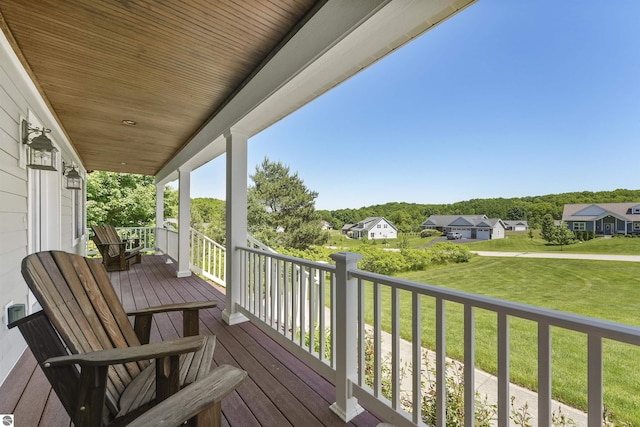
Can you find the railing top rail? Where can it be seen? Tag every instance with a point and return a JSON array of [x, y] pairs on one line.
[[206, 238], [167, 230], [303, 262], [592, 326], [258, 244]]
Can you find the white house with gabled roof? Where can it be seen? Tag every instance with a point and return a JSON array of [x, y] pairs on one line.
[[375, 227]]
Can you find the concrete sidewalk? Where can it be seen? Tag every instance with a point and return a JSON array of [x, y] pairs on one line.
[[600, 257], [486, 384]]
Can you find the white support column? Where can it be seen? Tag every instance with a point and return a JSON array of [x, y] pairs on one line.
[[236, 211], [346, 406], [184, 222], [159, 213]]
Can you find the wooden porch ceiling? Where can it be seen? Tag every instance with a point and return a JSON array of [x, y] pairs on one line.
[[169, 66]]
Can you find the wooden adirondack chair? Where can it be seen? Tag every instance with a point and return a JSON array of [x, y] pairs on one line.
[[115, 255], [98, 364]]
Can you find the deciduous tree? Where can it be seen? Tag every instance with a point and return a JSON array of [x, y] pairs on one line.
[[563, 236], [123, 200]]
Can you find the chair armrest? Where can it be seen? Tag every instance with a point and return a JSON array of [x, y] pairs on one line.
[[193, 399], [190, 317], [197, 305], [114, 356]]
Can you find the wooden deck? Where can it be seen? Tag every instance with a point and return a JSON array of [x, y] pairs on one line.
[[280, 390]]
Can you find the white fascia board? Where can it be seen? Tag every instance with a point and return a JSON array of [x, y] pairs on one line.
[[341, 39], [329, 25]]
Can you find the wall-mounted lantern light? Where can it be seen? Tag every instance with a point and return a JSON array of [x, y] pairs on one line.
[[41, 154], [74, 180]]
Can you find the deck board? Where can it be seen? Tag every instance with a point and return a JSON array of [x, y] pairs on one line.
[[280, 390]]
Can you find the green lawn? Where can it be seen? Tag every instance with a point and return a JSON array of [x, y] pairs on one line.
[[336, 239], [520, 242], [603, 289]]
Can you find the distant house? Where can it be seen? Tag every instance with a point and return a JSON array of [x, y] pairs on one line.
[[518, 225], [375, 227], [603, 218], [324, 225], [470, 226]]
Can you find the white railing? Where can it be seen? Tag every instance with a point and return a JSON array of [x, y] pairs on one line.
[[207, 257], [252, 242], [291, 299], [146, 236], [167, 242], [294, 298]]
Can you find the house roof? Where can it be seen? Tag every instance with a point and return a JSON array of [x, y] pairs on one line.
[[595, 211], [187, 72], [446, 220], [367, 224], [468, 221]]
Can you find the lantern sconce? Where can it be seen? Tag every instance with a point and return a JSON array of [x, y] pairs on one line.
[[41, 153], [74, 180]]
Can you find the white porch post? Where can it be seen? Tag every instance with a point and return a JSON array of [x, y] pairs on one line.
[[184, 222], [159, 213], [236, 211], [346, 406]]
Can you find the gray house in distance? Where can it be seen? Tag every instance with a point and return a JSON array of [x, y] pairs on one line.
[[374, 227], [469, 226], [603, 218]]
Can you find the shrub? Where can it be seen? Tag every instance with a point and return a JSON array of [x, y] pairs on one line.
[[416, 260], [429, 233], [443, 252], [485, 413], [382, 262]]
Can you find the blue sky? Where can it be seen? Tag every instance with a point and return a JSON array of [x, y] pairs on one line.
[[509, 98]]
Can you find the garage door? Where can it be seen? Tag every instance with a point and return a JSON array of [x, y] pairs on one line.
[[483, 234], [465, 232]]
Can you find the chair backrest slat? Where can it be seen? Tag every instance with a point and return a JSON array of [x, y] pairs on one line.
[[78, 298], [111, 232], [104, 235]]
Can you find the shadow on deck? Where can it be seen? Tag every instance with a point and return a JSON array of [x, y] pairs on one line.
[[281, 390]]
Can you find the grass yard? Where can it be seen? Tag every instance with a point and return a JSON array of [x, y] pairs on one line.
[[520, 242], [603, 289], [336, 239]]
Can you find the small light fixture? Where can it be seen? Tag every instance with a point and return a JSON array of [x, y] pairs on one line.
[[128, 122], [74, 180], [41, 154]]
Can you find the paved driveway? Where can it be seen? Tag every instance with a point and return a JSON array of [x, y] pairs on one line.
[[601, 257]]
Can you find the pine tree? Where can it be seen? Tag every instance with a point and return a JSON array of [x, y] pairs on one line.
[[548, 228], [282, 209]]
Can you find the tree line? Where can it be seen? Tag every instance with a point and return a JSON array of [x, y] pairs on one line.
[[407, 217], [281, 209]]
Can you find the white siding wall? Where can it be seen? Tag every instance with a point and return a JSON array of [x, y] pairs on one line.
[[19, 99], [386, 231], [13, 217], [498, 232]]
